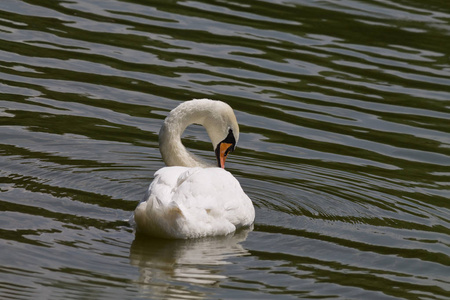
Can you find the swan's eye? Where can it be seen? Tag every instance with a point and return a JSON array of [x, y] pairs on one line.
[[230, 138]]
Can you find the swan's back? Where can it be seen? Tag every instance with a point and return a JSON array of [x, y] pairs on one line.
[[186, 202]]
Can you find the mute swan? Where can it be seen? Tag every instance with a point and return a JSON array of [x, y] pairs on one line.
[[191, 198]]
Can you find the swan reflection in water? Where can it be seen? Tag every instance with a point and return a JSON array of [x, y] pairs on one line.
[[170, 268]]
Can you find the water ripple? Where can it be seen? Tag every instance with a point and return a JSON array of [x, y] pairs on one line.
[[344, 146]]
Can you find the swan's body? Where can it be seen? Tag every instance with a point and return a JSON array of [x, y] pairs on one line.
[[191, 198]]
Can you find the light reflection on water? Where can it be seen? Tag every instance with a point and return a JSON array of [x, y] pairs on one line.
[[170, 264], [344, 146]]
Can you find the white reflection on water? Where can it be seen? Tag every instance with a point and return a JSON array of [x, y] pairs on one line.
[[170, 268]]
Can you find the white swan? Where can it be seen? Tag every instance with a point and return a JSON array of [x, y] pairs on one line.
[[190, 198]]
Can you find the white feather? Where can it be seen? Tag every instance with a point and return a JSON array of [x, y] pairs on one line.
[[193, 202]]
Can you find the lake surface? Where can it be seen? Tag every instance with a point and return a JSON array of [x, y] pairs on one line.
[[344, 110]]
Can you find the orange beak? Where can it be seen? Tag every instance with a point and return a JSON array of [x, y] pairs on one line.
[[223, 152]]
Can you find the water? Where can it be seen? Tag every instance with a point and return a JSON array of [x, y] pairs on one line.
[[344, 149]]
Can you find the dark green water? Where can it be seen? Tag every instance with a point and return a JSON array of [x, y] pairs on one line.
[[344, 110]]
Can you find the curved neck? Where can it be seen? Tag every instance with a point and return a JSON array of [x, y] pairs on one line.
[[172, 150], [174, 153]]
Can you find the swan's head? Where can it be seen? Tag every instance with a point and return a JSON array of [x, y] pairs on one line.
[[223, 130]]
